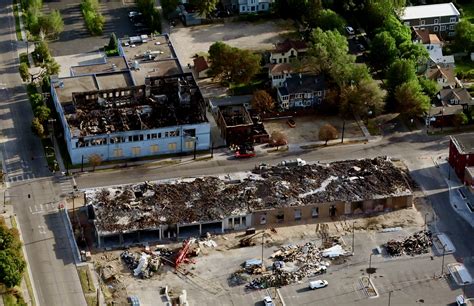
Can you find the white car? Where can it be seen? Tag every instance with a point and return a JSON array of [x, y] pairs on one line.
[[293, 162], [350, 30], [320, 283], [134, 14], [267, 301], [463, 301]]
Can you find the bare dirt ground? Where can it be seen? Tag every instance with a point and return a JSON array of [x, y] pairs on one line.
[[203, 278], [307, 128], [245, 35]]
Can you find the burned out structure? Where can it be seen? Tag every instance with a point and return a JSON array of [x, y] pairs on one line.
[[140, 103], [268, 196]]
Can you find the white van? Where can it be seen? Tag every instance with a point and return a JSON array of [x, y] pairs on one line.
[[317, 284]]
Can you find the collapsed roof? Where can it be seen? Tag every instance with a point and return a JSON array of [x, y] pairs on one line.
[[148, 205]]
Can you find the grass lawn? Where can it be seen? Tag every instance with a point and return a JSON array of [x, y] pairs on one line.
[[258, 82], [17, 20], [13, 299], [86, 279], [463, 65]]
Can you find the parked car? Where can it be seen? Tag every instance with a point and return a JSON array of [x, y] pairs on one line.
[[267, 301], [293, 162], [243, 153], [350, 30], [133, 14], [317, 284]]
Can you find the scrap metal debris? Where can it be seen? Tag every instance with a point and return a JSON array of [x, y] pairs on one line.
[[150, 205], [416, 244], [143, 265]]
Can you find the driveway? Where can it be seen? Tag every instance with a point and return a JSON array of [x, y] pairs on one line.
[[254, 36], [75, 38]]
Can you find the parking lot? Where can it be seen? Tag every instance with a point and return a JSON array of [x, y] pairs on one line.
[[307, 128], [75, 38], [254, 36], [410, 280]]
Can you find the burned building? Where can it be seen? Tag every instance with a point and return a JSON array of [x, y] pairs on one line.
[[235, 123], [271, 196], [137, 104]]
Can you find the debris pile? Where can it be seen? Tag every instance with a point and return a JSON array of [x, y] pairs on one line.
[[416, 244], [143, 265], [150, 205], [292, 263]]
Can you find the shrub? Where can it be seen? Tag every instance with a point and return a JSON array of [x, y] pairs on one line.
[[37, 127], [92, 16], [24, 73]]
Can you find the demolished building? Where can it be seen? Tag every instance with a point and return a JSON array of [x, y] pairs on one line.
[[272, 196], [137, 104]]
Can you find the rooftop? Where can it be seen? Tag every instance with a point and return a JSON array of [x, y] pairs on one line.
[[464, 143], [300, 83], [111, 64], [441, 72], [279, 69], [460, 94], [235, 115], [174, 101], [159, 68], [288, 44], [200, 64], [148, 205], [428, 11]]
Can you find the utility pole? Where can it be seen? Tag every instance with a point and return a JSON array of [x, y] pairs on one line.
[[389, 297], [343, 129], [195, 149], [370, 264], [442, 262], [426, 224], [263, 236], [353, 236]]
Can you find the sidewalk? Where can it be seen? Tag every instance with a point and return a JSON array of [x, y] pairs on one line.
[[459, 195], [7, 214]]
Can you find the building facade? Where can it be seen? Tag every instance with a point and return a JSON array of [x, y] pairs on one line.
[[301, 91], [440, 19], [287, 50], [461, 154], [254, 6]]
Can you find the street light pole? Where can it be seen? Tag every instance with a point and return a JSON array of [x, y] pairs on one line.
[[426, 224], [370, 264], [263, 236], [195, 139], [343, 129], [389, 297]]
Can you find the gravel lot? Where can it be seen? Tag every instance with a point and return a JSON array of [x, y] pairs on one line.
[[255, 36]]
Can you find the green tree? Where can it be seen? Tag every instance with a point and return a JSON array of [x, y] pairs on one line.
[[51, 67], [51, 25], [415, 52], [401, 71], [113, 43], [411, 101], [37, 127], [361, 99], [36, 100], [95, 160], [205, 7], [383, 50], [41, 53], [169, 6], [330, 20], [429, 87], [9, 238], [262, 101], [460, 119], [12, 266], [24, 72], [243, 66], [400, 32], [92, 16], [464, 37], [150, 14], [42, 112]]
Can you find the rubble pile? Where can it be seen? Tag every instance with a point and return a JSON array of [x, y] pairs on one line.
[[143, 265], [149, 205], [416, 244]]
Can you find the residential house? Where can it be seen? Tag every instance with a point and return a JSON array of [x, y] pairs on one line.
[[455, 96], [278, 73], [461, 153], [254, 6], [439, 19], [444, 76], [201, 67], [301, 91], [434, 46], [287, 50]]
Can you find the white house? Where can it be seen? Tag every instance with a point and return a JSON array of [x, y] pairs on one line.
[[434, 46], [278, 73], [254, 6], [285, 51]]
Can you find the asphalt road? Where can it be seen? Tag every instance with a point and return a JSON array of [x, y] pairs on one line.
[[30, 185]]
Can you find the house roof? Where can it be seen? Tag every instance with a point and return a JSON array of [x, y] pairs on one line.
[[200, 64], [279, 69], [441, 72], [422, 35], [434, 39], [286, 45], [464, 143], [428, 11], [448, 110], [460, 94], [299, 83]]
